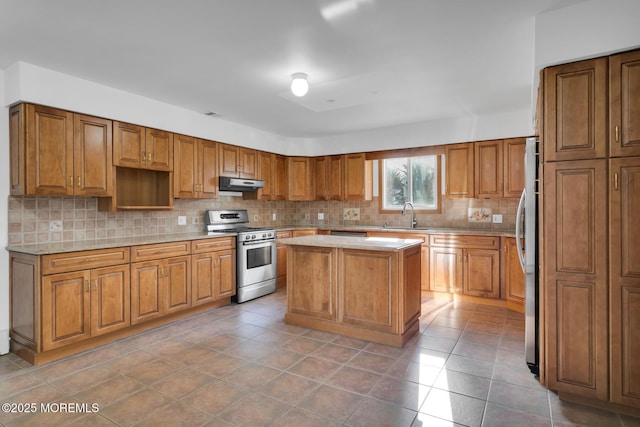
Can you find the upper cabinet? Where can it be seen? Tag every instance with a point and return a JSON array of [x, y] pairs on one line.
[[488, 158], [195, 163], [358, 178], [459, 170], [624, 95], [272, 169], [329, 173], [300, 178], [142, 148], [513, 166], [575, 111], [55, 152], [238, 162]]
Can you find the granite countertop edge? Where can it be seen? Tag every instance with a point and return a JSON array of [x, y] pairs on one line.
[[347, 242]]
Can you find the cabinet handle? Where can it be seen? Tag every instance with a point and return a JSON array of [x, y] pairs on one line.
[[88, 285], [70, 181], [144, 156], [615, 181], [151, 156], [617, 134], [79, 182], [95, 285], [161, 272]]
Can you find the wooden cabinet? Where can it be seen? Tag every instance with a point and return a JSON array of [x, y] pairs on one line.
[[513, 169], [281, 266], [424, 251], [279, 176], [300, 178], [55, 152], [304, 232], [317, 298], [513, 276], [488, 172], [624, 108], [329, 178], [272, 169], [238, 162], [459, 170], [575, 110], [624, 292], [575, 276], [465, 264], [144, 148], [160, 280], [214, 273], [358, 177], [195, 168]]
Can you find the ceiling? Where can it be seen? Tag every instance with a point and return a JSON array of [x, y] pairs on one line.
[[371, 63]]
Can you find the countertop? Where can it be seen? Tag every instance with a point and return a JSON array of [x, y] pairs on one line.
[[348, 242], [395, 229]]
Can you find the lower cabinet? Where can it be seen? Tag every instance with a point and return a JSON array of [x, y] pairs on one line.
[[213, 264], [513, 276], [281, 266]]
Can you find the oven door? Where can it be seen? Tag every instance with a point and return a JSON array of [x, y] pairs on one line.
[[256, 262]]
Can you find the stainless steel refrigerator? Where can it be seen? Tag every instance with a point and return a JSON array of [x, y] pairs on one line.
[[527, 236]]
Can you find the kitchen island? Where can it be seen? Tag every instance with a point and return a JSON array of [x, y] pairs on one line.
[[366, 288]]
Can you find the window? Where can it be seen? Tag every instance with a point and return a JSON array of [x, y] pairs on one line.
[[411, 179]]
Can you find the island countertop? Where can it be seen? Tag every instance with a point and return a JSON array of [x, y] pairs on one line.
[[349, 242]]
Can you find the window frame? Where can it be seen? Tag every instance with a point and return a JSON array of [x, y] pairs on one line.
[[381, 178]]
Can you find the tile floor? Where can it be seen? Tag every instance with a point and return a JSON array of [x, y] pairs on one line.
[[241, 365]]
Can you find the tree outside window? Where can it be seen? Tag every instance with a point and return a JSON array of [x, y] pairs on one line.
[[411, 179]]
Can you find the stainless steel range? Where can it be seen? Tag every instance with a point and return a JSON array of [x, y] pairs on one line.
[[255, 252]]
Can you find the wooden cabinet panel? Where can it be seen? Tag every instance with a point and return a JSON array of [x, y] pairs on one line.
[[128, 145], [514, 276], [92, 165], [211, 245], [624, 281], [177, 284], [24, 277], [159, 150], [513, 159], [280, 178], [575, 228], [575, 110], [185, 179], [281, 266], [459, 170], [624, 93], [110, 299], [481, 273], [228, 160], [465, 241], [160, 250], [65, 309], [208, 169], [445, 269], [17, 150], [488, 157], [357, 177], [214, 276], [318, 299], [74, 261], [300, 178], [304, 232], [147, 296], [335, 177], [321, 165], [225, 283], [248, 163], [203, 278], [266, 165], [376, 272]]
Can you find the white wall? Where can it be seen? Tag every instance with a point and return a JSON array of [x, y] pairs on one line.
[[4, 220]]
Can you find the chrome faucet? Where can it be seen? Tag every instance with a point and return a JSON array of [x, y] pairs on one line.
[[414, 222]]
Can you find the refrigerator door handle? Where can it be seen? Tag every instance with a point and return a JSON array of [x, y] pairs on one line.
[[519, 215]]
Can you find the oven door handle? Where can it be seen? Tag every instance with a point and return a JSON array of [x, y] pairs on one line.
[[263, 243]]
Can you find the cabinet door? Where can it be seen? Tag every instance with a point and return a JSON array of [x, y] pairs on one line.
[[266, 165], [513, 159], [228, 160], [208, 169], [147, 296], [575, 110], [445, 269], [357, 177], [300, 178], [321, 166], [177, 284], [17, 149], [488, 169], [514, 276], [312, 273], [624, 87], [335, 173], [202, 283], [482, 273], [575, 253], [225, 274], [110, 299], [459, 170], [49, 151], [280, 178], [281, 266], [248, 167], [65, 309], [128, 145], [159, 150], [92, 165], [624, 290], [185, 178]]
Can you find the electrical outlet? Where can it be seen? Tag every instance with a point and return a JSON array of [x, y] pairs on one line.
[[320, 216], [255, 217], [274, 216], [497, 219], [55, 225], [195, 220], [307, 216], [182, 220]]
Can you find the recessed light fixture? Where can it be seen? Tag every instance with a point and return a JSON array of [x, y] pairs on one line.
[[299, 84]]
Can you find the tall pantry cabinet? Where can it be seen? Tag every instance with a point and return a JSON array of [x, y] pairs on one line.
[[591, 230]]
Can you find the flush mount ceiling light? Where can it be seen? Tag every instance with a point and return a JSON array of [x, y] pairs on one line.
[[299, 84]]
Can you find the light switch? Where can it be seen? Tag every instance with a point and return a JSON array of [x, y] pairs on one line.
[[274, 216], [497, 219], [182, 220], [320, 216]]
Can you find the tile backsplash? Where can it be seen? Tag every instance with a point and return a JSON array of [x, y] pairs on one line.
[[30, 218]]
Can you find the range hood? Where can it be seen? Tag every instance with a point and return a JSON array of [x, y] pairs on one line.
[[228, 183]]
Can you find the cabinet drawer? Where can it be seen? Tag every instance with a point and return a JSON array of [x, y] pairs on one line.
[[212, 245], [74, 261], [463, 241], [283, 234], [160, 250]]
